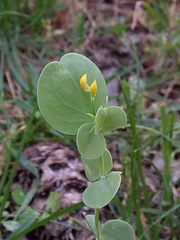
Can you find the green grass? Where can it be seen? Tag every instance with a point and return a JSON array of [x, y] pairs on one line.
[[143, 135]]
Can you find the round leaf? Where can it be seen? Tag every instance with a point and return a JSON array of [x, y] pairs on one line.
[[92, 166], [90, 145], [100, 193], [62, 101], [117, 230], [116, 118]]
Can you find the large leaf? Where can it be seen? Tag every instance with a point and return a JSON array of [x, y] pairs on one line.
[[116, 118], [117, 230], [92, 166], [62, 102], [90, 145], [101, 192]]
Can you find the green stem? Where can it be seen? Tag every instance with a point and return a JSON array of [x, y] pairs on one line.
[[166, 145], [92, 104], [97, 224], [101, 163], [167, 129]]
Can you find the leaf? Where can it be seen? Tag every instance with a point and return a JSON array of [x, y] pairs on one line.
[[107, 160], [24, 230], [53, 202], [100, 193], [61, 100], [90, 222], [18, 196], [117, 230], [119, 29], [92, 166], [10, 225], [29, 211], [116, 118], [90, 145], [100, 117], [28, 221]]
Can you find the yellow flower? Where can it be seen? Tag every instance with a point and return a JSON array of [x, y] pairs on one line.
[[93, 89], [83, 83]]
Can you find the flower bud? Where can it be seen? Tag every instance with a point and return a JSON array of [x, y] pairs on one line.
[[93, 89], [83, 83]]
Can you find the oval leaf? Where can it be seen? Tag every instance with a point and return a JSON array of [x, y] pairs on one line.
[[62, 101], [90, 145], [117, 230], [100, 193], [116, 118], [92, 166]]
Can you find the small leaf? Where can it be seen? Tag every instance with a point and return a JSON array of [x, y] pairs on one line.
[[18, 196], [107, 158], [92, 166], [24, 225], [116, 118], [90, 145], [29, 211], [90, 222], [101, 192], [53, 202], [99, 119], [10, 225], [117, 230]]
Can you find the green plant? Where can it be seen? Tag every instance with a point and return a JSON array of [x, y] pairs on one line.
[[72, 97]]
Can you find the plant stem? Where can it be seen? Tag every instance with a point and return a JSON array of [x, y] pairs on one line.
[[166, 145], [97, 224], [92, 104], [101, 163]]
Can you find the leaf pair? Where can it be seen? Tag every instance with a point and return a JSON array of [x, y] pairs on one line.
[[90, 142], [109, 118]]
